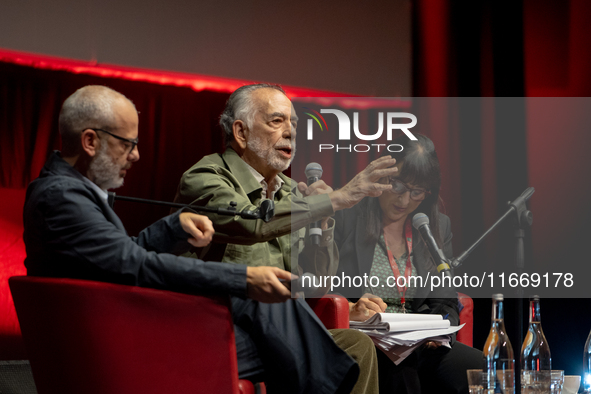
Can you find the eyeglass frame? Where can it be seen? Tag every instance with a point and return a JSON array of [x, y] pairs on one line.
[[133, 142], [408, 189]]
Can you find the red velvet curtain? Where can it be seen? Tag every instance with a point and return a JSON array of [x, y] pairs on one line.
[[474, 49]]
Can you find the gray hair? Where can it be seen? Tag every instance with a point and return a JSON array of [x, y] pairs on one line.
[[241, 106], [90, 107]]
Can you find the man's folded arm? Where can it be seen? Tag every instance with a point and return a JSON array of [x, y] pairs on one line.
[[79, 231], [164, 236]]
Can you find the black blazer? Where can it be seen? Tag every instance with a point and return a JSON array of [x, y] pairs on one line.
[[70, 231], [356, 253]]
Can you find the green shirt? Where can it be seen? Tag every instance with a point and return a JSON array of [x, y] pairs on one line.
[[218, 179]]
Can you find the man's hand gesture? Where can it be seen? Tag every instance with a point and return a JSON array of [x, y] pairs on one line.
[[199, 228], [366, 183]]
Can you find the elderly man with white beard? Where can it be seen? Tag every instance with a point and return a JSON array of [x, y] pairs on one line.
[[259, 126]]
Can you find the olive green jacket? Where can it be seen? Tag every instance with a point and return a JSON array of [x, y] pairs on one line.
[[218, 179]]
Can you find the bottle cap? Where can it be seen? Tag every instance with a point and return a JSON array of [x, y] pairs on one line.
[[497, 297]]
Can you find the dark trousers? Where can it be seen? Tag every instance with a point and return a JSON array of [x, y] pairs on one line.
[[427, 371], [286, 346]]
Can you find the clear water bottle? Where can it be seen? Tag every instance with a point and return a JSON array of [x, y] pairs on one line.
[[587, 366], [536, 361], [499, 362]]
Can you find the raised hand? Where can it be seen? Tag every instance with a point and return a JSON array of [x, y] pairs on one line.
[[365, 184]]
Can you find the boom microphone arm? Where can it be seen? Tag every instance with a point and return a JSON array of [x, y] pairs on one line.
[[265, 212], [524, 218]]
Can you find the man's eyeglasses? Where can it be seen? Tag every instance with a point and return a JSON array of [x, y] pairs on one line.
[[400, 187], [132, 142]]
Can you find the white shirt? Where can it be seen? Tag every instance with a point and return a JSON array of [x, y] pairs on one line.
[[278, 182]]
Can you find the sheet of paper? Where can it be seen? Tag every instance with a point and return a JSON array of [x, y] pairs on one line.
[[404, 324]]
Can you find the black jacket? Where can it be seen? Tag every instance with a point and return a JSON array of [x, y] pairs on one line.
[[70, 231], [356, 252]]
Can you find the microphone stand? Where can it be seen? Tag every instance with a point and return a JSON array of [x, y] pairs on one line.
[[265, 212], [524, 218]]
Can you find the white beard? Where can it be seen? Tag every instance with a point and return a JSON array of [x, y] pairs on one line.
[[271, 157], [104, 170]]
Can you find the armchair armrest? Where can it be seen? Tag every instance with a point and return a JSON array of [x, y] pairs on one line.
[[332, 309], [465, 335]]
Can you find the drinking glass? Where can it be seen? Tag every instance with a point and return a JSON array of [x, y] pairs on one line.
[[500, 381], [535, 382], [475, 381], [506, 381], [557, 381]]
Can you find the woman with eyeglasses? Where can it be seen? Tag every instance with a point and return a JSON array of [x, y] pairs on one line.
[[376, 239]]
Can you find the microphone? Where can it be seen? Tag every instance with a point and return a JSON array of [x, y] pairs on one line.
[[421, 222], [314, 173]]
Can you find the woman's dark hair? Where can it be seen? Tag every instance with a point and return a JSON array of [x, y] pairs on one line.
[[420, 167]]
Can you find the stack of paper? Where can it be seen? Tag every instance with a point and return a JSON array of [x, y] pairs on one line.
[[399, 334], [401, 322]]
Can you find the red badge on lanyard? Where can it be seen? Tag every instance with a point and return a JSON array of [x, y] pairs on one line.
[[408, 269]]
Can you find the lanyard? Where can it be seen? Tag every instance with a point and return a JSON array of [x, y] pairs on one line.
[[394, 265]]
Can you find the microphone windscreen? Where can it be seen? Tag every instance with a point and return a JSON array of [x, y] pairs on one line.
[[419, 220], [313, 170]]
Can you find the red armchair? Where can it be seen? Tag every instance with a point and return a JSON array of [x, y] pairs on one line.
[[93, 337]]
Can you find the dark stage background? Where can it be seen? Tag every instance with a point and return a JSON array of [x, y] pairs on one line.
[[517, 49], [460, 49]]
